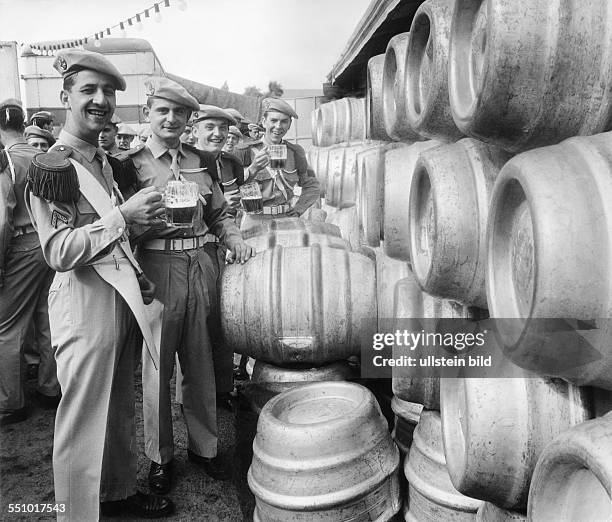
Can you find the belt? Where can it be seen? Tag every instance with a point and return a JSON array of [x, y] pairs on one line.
[[278, 209], [180, 244], [22, 231]]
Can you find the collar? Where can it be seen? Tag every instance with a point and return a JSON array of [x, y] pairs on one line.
[[158, 149], [82, 147]]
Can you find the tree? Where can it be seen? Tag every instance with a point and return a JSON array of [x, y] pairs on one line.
[[275, 90], [251, 90], [225, 86]]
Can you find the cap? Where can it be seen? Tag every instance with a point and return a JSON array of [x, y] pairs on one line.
[[125, 129], [235, 114], [278, 105], [70, 61], [33, 130], [43, 115], [161, 87], [53, 177], [11, 103], [235, 131], [206, 112]]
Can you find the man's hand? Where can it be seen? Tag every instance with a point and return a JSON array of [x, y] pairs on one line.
[[239, 251], [260, 161], [143, 208], [292, 213], [233, 199], [147, 288]]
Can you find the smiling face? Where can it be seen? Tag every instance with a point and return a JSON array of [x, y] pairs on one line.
[[231, 142], [276, 125], [106, 139], [90, 104], [211, 134], [168, 120]]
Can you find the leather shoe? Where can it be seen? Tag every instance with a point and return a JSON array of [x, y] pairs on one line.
[[140, 505], [160, 477], [48, 402], [214, 467], [14, 416]]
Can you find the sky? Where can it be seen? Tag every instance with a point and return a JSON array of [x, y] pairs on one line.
[[243, 42]]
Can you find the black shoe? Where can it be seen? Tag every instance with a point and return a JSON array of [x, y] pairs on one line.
[[48, 402], [14, 416], [160, 477], [140, 505], [214, 467]]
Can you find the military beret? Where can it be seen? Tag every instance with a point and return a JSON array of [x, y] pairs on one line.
[[235, 131], [33, 130], [206, 112], [235, 114], [277, 105], [70, 61], [42, 115], [11, 103], [254, 126], [161, 87], [124, 128]]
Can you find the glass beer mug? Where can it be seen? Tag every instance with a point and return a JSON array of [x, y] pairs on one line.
[[278, 156], [181, 201], [251, 199]]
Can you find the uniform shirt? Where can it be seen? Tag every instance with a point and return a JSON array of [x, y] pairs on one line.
[[152, 163], [13, 212], [296, 172], [73, 234], [114, 151]]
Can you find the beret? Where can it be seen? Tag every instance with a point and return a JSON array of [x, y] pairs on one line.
[[206, 112], [235, 131], [11, 103], [161, 87], [235, 114], [277, 105], [45, 115], [124, 128], [33, 130], [70, 61], [255, 126]]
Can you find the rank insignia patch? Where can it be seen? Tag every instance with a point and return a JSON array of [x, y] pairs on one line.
[[58, 216]]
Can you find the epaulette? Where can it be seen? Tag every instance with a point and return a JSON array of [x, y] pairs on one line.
[[294, 147], [3, 161], [207, 160], [52, 176], [124, 171], [62, 150]]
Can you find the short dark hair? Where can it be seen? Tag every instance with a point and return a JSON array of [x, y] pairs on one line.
[[11, 118], [69, 81]]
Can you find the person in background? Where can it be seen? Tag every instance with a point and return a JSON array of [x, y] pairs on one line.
[[42, 119], [255, 132], [108, 135], [233, 138], [183, 264], [187, 137], [96, 300], [125, 136], [144, 133], [25, 277], [277, 186], [38, 138]]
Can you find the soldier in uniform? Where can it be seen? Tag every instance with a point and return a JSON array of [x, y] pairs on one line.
[[42, 119], [277, 186], [125, 136], [24, 277], [108, 135], [38, 138], [182, 262], [233, 138], [96, 300]]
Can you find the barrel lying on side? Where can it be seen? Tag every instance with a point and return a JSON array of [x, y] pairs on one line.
[[388, 272], [492, 443], [399, 166], [341, 120], [431, 496], [573, 477], [394, 90], [407, 415], [428, 109], [298, 304], [491, 513], [375, 119], [529, 74], [323, 453], [548, 240], [448, 208], [347, 221]]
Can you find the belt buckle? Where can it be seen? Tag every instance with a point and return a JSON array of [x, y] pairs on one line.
[[176, 244]]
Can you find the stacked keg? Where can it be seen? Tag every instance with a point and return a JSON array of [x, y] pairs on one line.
[[482, 185]]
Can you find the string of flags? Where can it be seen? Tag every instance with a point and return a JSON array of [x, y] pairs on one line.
[[153, 11]]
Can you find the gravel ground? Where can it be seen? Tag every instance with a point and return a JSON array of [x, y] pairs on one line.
[[26, 466]]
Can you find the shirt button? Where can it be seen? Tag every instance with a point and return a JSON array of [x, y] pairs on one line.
[[120, 230]]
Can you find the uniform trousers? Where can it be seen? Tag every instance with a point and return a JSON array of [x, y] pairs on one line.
[[94, 334], [22, 300], [185, 287]]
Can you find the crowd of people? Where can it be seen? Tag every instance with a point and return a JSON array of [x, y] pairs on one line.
[[95, 280]]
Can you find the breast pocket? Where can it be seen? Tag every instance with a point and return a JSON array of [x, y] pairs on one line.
[[84, 207]]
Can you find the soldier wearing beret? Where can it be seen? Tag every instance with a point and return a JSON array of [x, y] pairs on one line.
[[38, 138], [277, 186], [24, 276], [42, 119], [183, 264], [96, 300], [233, 138], [125, 136]]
